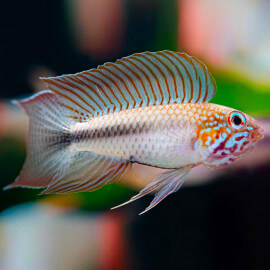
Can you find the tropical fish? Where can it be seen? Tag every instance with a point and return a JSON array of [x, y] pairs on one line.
[[151, 108]]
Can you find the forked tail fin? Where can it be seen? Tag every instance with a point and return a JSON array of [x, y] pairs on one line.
[[47, 139]]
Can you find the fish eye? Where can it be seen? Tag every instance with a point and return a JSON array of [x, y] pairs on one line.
[[236, 119]]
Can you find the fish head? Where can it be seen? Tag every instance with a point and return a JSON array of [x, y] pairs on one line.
[[233, 135]]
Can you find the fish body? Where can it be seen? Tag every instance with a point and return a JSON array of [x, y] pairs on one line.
[[149, 108], [156, 135], [165, 136]]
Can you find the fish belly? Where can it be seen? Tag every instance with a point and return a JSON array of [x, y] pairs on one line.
[[157, 136]]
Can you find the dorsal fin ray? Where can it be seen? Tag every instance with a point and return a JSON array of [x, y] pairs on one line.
[[142, 79]]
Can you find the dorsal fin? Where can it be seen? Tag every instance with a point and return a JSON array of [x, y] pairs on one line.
[[142, 79]]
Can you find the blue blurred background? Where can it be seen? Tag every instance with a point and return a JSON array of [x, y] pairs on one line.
[[218, 220]]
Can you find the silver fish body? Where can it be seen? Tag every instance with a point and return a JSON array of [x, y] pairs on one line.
[[161, 136]]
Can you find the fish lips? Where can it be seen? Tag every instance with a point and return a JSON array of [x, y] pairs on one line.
[[257, 134]]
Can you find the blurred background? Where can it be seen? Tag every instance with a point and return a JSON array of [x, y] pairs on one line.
[[218, 220]]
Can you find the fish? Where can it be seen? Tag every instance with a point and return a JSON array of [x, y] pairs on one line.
[[150, 108]]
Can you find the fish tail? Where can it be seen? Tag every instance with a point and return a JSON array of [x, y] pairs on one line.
[[47, 141], [50, 161]]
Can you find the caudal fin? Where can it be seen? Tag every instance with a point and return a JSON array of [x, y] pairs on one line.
[[50, 162], [47, 140]]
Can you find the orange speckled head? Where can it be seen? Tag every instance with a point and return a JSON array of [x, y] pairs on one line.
[[227, 134]]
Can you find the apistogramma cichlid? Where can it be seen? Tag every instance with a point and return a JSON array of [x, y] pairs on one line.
[[150, 108]]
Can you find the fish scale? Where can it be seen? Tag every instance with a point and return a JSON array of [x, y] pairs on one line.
[[159, 136], [150, 108]]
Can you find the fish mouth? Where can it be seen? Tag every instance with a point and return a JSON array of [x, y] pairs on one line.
[[257, 135]]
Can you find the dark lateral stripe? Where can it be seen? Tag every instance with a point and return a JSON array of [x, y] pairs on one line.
[[105, 132]]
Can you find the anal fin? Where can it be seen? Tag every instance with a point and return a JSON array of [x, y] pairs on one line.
[[164, 185], [87, 172]]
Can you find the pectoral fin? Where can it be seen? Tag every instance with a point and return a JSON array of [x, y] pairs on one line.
[[164, 185]]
